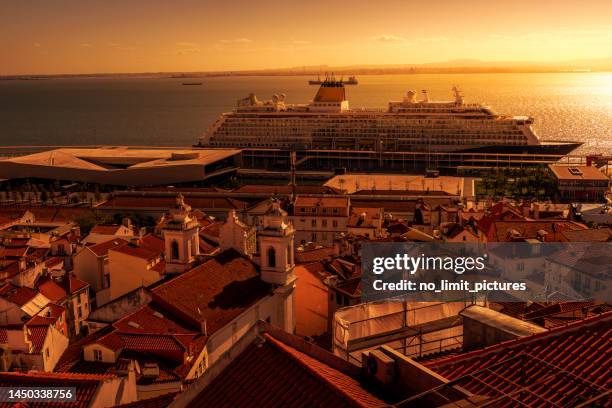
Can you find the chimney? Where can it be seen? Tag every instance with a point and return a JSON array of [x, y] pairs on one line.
[[378, 366]]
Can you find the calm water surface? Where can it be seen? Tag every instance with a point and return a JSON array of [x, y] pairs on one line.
[[566, 106]]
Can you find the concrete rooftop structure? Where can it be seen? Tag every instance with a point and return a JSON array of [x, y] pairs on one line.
[[122, 165]]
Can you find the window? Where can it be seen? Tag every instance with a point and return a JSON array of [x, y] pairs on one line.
[[313, 223], [107, 280], [335, 223], [324, 223], [271, 257], [97, 355], [47, 352], [175, 250]]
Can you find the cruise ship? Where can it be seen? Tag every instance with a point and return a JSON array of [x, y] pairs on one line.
[[412, 124]]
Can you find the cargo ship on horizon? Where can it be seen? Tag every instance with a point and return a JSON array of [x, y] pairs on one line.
[[408, 125]]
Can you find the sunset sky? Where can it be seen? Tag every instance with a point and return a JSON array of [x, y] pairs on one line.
[[65, 36]]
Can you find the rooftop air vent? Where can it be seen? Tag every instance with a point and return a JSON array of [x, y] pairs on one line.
[[575, 171]]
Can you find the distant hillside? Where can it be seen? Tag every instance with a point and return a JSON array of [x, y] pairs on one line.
[[453, 66]]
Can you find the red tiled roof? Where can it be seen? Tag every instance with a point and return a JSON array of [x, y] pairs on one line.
[[16, 294], [500, 211], [305, 201], [74, 352], [105, 229], [16, 242], [52, 290], [86, 386], [37, 254], [212, 229], [562, 366], [588, 235], [216, 291], [102, 248], [37, 335], [47, 315], [75, 284], [351, 287], [147, 320], [54, 261], [529, 229], [148, 247], [9, 268], [170, 202], [314, 255], [111, 341], [161, 401], [152, 343], [317, 269], [152, 243], [13, 252], [137, 251], [275, 374]]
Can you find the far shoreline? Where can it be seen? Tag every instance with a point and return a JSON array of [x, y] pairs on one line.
[[358, 72]]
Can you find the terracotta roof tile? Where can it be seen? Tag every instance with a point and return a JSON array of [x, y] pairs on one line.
[[102, 248], [37, 335], [314, 255], [111, 341], [216, 291], [258, 377], [16, 294], [54, 261], [147, 320], [52, 290], [103, 229], [562, 366], [137, 251], [75, 284], [169, 202], [161, 401], [305, 201]]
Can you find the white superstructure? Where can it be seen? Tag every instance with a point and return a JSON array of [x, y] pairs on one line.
[[411, 124]]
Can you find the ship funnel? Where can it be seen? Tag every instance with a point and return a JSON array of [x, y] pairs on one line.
[[411, 96], [425, 95], [458, 95]]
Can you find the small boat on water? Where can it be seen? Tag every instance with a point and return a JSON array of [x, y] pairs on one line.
[[352, 80], [192, 83]]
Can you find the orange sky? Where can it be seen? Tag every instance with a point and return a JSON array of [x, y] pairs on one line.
[[65, 36]]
